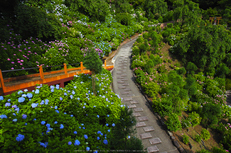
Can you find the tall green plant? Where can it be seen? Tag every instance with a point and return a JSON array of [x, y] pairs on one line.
[[94, 64]]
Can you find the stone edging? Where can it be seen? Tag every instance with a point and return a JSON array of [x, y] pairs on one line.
[[174, 140]]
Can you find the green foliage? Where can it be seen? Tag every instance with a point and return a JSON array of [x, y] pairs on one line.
[[222, 70], [124, 18], [205, 46], [185, 139], [210, 114], [205, 135], [203, 151], [218, 150], [186, 123], [197, 138], [155, 6], [161, 69], [173, 122], [191, 67], [95, 9], [181, 71], [194, 118], [151, 89], [34, 22]]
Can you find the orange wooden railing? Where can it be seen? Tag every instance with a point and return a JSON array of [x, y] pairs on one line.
[[43, 80]]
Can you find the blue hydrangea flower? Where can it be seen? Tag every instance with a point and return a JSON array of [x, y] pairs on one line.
[[88, 148], [24, 116], [57, 86], [98, 116], [57, 111], [33, 105], [21, 99], [75, 132], [36, 91], [77, 142], [129, 137], [61, 126], [3, 116], [17, 109], [20, 91], [78, 98], [29, 95], [105, 142], [98, 138], [71, 96], [43, 122], [108, 130], [95, 151], [25, 90], [34, 119], [75, 87], [68, 90], [85, 136], [65, 113], [20, 137], [52, 90], [8, 100], [98, 132], [83, 127], [42, 102], [52, 87], [60, 98], [107, 115], [73, 92], [65, 94], [71, 115], [55, 122], [107, 124], [25, 123], [44, 144], [80, 127], [46, 101], [7, 104], [69, 143], [56, 107], [14, 114], [83, 106], [48, 125]]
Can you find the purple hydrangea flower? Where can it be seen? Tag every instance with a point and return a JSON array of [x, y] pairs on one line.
[[69, 143], [24, 116], [7, 104], [3, 116]]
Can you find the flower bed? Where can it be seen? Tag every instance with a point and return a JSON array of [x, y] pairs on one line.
[[60, 119]]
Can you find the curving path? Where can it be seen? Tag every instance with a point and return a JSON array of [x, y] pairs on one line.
[[148, 128]]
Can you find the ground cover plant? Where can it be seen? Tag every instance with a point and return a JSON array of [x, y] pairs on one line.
[[57, 119]]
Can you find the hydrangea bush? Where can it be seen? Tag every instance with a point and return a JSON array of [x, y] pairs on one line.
[[60, 119]]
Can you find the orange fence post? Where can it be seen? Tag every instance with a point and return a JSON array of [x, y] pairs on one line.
[[41, 72], [2, 81], [65, 68], [81, 65], [105, 64]]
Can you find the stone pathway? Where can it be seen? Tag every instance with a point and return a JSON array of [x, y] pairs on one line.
[[148, 128]]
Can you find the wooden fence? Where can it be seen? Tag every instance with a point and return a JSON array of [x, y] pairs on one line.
[[10, 85]]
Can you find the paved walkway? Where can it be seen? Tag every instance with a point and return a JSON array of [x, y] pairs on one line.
[[148, 128]]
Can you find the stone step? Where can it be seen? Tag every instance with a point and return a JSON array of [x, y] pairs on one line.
[[132, 106], [140, 124], [120, 82], [128, 99], [148, 128], [134, 102], [155, 141], [143, 118], [124, 93], [152, 149], [145, 136], [138, 109], [122, 87], [136, 114]]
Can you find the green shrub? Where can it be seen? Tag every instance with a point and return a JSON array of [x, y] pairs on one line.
[[194, 118], [124, 18], [185, 139], [205, 135], [151, 89], [135, 50], [181, 71], [169, 25], [185, 123], [197, 138], [161, 69], [173, 122], [203, 151]]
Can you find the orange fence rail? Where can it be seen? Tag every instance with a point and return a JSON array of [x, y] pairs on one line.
[[42, 79]]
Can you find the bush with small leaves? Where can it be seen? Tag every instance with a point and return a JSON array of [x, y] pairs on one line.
[[205, 135], [197, 138], [185, 139], [173, 122]]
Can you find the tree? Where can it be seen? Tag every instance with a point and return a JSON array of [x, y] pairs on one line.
[[94, 64]]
